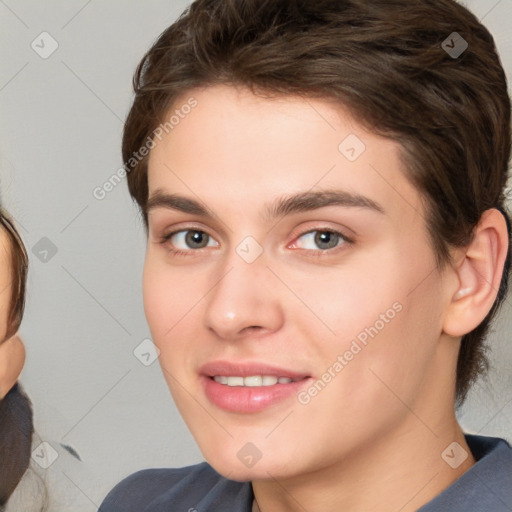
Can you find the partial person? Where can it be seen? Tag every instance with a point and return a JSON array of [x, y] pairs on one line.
[[16, 417]]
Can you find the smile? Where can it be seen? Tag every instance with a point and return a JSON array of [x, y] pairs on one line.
[[253, 380]]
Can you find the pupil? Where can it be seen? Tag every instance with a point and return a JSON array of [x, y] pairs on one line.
[[326, 237], [195, 237]]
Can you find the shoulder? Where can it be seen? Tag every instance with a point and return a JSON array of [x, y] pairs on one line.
[[485, 486], [191, 488], [494, 463]]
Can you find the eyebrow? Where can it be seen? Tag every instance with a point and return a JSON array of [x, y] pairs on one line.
[[285, 205]]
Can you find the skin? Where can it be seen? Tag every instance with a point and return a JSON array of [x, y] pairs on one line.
[[372, 439], [12, 351]]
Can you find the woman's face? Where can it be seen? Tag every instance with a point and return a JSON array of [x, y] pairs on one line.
[[12, 352], [264, 287]]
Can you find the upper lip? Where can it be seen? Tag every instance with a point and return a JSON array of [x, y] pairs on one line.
[[247, 369]]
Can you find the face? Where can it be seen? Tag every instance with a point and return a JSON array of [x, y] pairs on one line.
[[286, 242], [12, 353]]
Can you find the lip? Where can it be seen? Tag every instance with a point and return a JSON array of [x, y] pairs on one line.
[[228, 368], [248, 399]]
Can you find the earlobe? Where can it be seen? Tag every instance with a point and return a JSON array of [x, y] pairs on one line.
[[478, 275]]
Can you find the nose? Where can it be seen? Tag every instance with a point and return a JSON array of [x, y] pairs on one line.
[[244, 299]]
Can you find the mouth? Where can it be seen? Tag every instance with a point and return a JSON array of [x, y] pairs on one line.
[[249, 387], [253, 380]]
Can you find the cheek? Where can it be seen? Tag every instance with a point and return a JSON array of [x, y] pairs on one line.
[[167, 294], [348, 299], [172, 299], [153, 291], [397, 354], [384, 317]]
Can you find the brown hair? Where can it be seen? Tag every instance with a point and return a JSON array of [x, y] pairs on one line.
[[384, 61], [19, 269]]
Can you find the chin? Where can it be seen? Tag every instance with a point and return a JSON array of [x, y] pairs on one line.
[[240, 474], [245, 464]]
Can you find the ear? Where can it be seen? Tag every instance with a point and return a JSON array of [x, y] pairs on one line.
[[478, 273], [12, 358]]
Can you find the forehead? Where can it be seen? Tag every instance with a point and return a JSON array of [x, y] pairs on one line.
[[236, 150]]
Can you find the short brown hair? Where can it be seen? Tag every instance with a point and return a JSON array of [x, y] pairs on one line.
[[19, 269], [384, 61]]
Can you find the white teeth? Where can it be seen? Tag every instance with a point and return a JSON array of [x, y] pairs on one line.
[[252, 381], [235, 381]]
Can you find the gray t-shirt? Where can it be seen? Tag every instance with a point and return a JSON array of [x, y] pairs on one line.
[[486, 486]]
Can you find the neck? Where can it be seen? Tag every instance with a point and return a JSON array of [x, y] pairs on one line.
[[401, 471]]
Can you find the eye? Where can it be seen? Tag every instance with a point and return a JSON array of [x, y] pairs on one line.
[[187, 239], [323, 239]]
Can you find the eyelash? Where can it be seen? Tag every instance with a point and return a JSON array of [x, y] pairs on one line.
[[316, 253]]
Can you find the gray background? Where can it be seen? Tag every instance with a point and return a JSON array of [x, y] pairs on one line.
[[60, 139]]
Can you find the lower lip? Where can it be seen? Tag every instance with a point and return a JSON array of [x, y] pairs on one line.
[[249, 399]]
